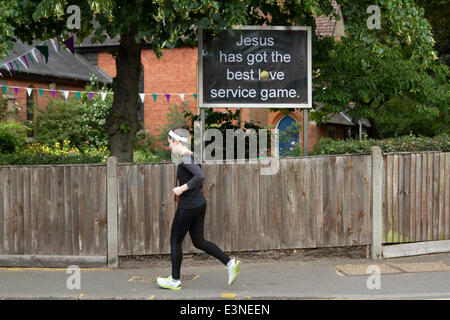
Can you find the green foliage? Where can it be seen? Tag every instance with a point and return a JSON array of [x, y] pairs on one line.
[[399, 118], [79, 121], [60, 120], [410, 143], [94, 114], [12, 136], [25, 158], [370, 67], [437, 13]]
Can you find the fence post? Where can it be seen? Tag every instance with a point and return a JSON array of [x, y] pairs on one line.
[[111, 185], [377, 201]]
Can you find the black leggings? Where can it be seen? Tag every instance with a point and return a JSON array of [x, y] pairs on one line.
[[191, 220]]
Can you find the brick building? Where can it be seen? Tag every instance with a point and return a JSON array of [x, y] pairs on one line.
[[63, 72]]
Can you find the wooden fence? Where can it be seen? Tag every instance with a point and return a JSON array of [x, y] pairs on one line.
[[311, 202]]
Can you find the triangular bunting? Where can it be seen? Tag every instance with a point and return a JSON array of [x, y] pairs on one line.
[[44, 52], [41, 91], [103, 94], [54, 44], [181, 96], [17, 66], [195, 96], [31, 59], [53, 92], [29, 91], [4, 89], [24, 57], [142, 96], [66, 94], [91, 95], [15, 90], [23, 63], [78, 95], [34, 55], [167, 97], [7, 67], [12, 68], [154, 96], [69, 44]]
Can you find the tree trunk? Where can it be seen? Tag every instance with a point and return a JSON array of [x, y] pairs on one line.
[[376, 133], [122, 122]]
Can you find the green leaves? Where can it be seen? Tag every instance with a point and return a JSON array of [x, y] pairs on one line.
[[368, 68]]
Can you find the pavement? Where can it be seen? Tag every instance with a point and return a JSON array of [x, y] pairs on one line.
[[410, 278]]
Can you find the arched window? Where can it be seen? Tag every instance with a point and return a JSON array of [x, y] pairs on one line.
[[289, 135]]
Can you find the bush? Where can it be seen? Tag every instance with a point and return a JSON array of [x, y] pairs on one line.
[[12, 136], [36, 154], [24, 158], [60, 120], [76, 120], [408, 143]]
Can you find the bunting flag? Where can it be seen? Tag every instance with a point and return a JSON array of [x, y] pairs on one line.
[[31, 59], [13, 71], [90, 94], [54, 45], [57, 41], [34, 54], [17, 66], [69, 44], [24, 58], [44, 52], [23, 63]]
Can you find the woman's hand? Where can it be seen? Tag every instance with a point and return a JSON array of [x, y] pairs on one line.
[[179, 190]]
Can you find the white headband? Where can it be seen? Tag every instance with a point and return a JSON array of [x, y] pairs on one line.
[[175, 136]]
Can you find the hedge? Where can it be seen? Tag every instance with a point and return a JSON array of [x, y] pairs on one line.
[[411, 143]]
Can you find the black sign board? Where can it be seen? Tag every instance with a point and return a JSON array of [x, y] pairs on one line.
[[255, 67]]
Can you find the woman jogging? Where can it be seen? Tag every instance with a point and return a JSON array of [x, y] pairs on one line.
[[190, 213]]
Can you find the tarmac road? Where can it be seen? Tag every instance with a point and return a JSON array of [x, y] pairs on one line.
[[420, 277]]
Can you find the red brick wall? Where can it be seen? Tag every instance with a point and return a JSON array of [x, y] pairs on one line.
[[174, 73], [42, 101]]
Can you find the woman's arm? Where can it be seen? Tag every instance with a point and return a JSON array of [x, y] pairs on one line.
[[197, 177]]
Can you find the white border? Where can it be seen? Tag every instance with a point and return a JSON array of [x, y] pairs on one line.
[[262, 104]]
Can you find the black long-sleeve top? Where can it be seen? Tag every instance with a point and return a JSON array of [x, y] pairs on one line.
[[190, 172]]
